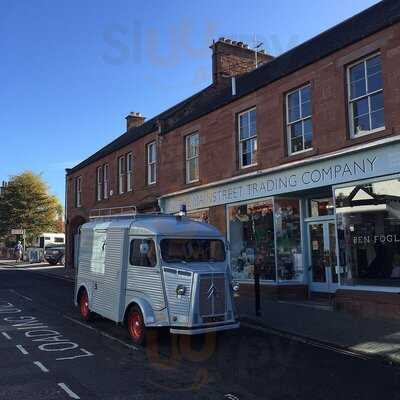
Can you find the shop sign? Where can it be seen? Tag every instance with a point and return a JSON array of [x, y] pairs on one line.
[[389, 238], [341, 169]]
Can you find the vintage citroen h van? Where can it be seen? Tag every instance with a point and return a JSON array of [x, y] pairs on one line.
[[155, 270]]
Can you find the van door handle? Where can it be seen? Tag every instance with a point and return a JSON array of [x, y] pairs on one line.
[[95, 285]]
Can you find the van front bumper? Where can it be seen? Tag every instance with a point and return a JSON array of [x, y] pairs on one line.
[[200, 330]]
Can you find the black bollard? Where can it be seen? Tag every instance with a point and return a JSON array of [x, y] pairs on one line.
[[257, 291]]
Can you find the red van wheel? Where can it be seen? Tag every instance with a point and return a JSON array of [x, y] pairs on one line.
[[136, 327], [84, 306]]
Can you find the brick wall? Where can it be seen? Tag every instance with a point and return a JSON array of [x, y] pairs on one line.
[[218, 131], [369, 304]]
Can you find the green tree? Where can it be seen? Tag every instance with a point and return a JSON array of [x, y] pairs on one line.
[[27, 204]]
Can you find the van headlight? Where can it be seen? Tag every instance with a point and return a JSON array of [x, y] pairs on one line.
[[180, 290], [235, 286]]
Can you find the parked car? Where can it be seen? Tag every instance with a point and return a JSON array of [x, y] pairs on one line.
[[55, 254], [152, 271]]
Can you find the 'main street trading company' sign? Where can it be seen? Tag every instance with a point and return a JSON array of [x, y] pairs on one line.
[[346, 168]]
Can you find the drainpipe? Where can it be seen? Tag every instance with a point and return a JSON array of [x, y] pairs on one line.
[[233, 82]]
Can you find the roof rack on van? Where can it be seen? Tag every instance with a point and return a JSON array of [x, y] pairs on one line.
[[124, 211]]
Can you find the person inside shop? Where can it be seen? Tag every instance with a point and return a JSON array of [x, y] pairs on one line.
[[381, 266], [396, 267]]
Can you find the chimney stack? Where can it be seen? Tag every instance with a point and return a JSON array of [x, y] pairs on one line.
[[231, 58], [134, 119]]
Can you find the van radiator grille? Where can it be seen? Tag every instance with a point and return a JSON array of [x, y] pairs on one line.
[[212, 294]]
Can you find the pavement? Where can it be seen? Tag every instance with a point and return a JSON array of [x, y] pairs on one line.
[[57, 271], [314, 322], [49, 353], [319, 323]]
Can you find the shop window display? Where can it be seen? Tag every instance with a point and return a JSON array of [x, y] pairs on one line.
[[368, 223], [288, 239], [321, 207], [200, 215], [251, 228]]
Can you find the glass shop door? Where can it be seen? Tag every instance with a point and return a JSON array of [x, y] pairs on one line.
[[322, 256]]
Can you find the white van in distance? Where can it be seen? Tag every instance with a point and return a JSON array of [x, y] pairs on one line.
[[155, 270]]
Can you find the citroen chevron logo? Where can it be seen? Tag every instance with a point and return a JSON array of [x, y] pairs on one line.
[[211, 291]]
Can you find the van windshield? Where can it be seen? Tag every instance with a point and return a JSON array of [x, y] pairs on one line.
[[192, 250]]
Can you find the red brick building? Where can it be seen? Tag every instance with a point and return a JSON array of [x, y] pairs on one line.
[[295, 159]]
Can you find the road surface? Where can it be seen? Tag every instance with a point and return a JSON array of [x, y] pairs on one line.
[[48, 352]]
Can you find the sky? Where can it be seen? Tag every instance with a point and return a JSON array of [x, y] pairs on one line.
[[71, 71]]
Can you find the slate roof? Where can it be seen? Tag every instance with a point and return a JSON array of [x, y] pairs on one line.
[[354, 29]]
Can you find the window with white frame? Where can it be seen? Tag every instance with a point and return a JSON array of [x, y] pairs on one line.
[[151, 163], [299, 120], [365, 92], [129, 172], [99, 183], [78, 191], [192, 158], [106, 180], [247, 138], [121, 174]]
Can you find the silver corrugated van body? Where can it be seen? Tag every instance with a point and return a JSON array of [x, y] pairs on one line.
[[172, 271]]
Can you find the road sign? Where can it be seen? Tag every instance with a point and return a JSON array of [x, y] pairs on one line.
[[17, 231]]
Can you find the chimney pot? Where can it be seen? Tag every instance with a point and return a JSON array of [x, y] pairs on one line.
[[134, 119]]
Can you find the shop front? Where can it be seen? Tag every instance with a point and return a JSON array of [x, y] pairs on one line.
[[265, 236], [288, 240], [330, 224]]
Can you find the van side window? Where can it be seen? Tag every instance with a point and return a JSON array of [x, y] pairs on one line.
[[98, 252], [145, 258]]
